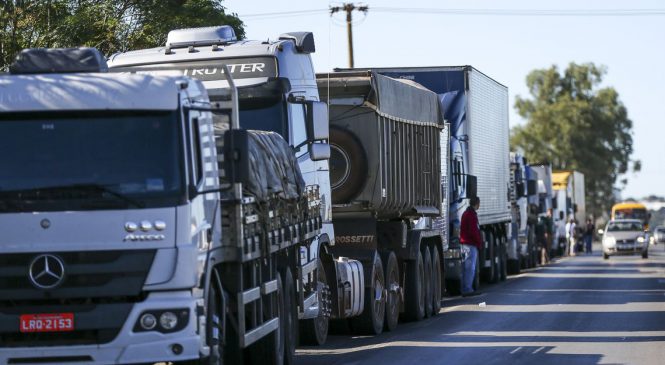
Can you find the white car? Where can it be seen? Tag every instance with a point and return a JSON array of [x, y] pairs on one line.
[[659, 234], [625, 237]]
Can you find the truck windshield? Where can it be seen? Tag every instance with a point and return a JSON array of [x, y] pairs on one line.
[[83, 161], [263, 115]]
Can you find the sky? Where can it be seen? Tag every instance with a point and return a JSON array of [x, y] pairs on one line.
[[504, 47]]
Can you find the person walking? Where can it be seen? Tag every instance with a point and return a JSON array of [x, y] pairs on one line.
[[588, 236], [471, 242], [561, 235], [570, 236]]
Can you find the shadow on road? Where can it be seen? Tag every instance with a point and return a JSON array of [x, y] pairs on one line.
[[580, 310]]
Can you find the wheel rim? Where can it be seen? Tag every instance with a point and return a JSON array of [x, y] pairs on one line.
[[379, 299], [393, 287]]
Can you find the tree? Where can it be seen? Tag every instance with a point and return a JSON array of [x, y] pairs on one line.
[[576, 125], [109, 25]]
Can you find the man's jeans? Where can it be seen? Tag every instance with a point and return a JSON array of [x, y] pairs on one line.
[[469, 268]]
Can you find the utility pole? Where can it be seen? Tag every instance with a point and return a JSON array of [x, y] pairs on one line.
[[349, 8]]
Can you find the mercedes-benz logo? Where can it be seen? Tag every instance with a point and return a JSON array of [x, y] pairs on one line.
[[46, 271]]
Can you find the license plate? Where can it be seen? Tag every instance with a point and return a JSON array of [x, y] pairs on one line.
[[51, 322]]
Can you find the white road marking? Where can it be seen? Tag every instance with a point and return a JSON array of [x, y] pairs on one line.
[[538, 350], [515, 350], [558, 308]]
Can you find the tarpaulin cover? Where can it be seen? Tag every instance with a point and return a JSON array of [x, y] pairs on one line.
[[58, 60], [411, 101], [273, 167]]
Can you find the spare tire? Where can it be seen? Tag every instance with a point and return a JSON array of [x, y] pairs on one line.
[[348, 165]]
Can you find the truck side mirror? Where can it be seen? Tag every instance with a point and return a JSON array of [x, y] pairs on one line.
[[471, 186], [319, 151], [532, 187], [317, 121]]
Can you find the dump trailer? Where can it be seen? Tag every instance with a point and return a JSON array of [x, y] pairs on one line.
[[137, 229], [476, 106], [389, 179], [277, 92]]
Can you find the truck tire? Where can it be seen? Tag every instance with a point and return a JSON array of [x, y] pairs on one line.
[[392, 285], [454, 286], [414, 293], [437, 278], [488, 273], [348, 165], [606, 256], [290, 319], [314, 332], [645, 255], [427, 258], [370, 321], [214, 328], [503, 259], [514, 267], [496, 259], [270, 349]]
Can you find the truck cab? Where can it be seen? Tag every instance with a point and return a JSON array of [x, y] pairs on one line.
[[277, 92], [97, 204]]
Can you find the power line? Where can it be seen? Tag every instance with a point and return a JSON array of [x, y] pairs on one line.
[[526, 12], [470, 12]]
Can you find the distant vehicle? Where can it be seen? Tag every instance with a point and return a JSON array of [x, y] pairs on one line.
[[625, 237], [659, 234], [629, 210]]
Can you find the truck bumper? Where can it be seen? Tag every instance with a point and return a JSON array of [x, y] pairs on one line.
[[128, 346]]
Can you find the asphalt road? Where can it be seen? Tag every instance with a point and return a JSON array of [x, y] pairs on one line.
[[579, 310]]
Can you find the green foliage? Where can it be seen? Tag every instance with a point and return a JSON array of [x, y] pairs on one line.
[[110, 25], [576, 125]]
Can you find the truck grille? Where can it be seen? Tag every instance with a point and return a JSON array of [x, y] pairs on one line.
[[100, 288]]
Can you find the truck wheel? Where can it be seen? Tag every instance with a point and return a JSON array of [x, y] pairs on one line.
[[414, 293], [606, 256], [290, 319], [645, 255], [392, 285], [514, 267], [454, 286], [348, 165], [214, 330], [437, 277], [488, 273], [503, 260], [370, 321], [427, 256], [270, 349], [313, 332]]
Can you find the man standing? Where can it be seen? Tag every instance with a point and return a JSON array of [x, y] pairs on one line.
[[472, 241], [588, 235], [570, 236]]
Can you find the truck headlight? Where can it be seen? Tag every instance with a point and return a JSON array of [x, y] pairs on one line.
[[168, 320], [640, 239]]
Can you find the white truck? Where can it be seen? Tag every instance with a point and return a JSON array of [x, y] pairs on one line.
[[569, 195], [277, 92], [137, 228]]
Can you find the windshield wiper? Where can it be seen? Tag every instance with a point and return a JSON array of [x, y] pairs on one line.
[[47, 191]]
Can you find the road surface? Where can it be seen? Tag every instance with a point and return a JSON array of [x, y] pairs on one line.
[[579, 310]]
